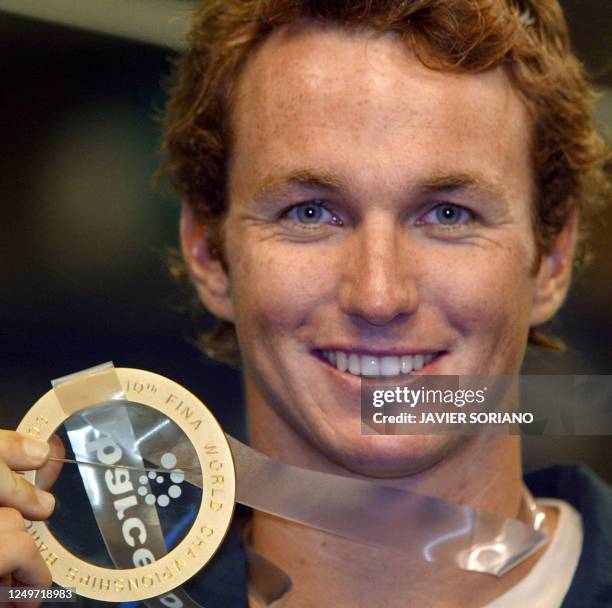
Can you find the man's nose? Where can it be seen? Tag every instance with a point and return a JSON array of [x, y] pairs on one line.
[[379, 280]]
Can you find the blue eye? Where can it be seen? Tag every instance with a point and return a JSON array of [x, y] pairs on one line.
[[447, 214], [312, 213]]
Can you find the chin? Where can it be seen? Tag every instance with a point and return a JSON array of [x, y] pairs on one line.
[[386, 456]]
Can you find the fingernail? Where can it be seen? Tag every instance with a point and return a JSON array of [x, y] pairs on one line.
[[36, 449], [46, 500]]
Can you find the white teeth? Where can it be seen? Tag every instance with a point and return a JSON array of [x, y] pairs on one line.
[[354, 364], [389, 366], [371, 365], [406, 364]]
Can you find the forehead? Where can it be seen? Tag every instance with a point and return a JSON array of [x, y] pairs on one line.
[[339, 101]]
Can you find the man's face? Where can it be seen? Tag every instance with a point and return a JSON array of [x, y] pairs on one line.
[[379, 218]]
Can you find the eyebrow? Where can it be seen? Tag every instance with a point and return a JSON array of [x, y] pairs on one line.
[[305, 178], [465, 181], [322, 180]]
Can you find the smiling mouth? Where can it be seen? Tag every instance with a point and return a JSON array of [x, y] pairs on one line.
[[359, 364]]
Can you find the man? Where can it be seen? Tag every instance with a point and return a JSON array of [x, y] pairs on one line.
[[384, 188]]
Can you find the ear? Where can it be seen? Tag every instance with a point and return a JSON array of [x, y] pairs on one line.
[[207, 272], [555, 273]]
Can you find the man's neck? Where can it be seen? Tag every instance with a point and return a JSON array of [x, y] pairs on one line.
[[326, 569]]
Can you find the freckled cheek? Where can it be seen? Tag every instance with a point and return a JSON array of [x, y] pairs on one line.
[[484, 294], [280, 287]]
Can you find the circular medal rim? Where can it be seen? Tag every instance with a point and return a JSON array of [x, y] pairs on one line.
[[44, 408]]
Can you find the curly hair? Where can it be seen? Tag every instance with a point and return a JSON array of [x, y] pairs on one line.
[[528, 38]]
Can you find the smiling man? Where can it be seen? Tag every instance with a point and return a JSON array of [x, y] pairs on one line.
[[377, 188], [386, 188], [375, 216]]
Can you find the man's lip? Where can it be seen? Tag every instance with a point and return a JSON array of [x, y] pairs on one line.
[[381, 352]]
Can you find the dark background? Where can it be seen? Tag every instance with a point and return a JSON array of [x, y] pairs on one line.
[[84, 233]]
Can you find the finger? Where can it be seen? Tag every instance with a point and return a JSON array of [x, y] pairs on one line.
[[20, 558], [16, 492], [48, 474], [23, 604], [6, 580], [11, 520], [22, 452]]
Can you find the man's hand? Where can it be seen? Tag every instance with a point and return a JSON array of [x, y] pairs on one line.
[[20, 561]]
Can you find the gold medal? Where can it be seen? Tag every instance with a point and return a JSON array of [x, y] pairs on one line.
[[213, 453]]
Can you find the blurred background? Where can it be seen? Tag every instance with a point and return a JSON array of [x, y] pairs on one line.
[[84, 234]]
